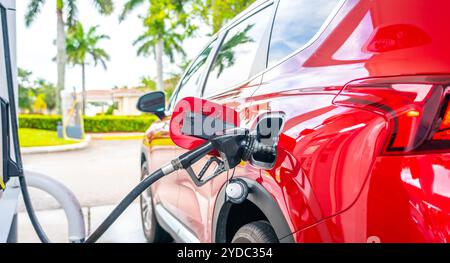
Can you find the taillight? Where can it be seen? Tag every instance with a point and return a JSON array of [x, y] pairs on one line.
[[416, 108], [443, 133]]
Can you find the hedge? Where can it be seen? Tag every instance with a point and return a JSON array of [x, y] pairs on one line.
[[41, 122], [118, 123], [91, 124]]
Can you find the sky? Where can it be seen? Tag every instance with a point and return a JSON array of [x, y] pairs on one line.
[[36, 49]]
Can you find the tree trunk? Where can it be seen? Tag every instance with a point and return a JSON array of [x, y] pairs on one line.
[[83, 86], [159, 65], [60, 57]]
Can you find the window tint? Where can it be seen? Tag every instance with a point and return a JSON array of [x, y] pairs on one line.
[[296, 22], [237, 53], [190, 84]]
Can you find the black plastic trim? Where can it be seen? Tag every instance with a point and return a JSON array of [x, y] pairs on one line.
[[260, 197], [10, 83], [5, 140]]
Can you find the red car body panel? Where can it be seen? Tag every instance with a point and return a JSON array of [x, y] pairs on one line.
[[333, 180], [405, 200]]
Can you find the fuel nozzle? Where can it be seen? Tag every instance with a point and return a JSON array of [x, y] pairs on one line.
[[238, 145], [231, 146], [234, 146], [253, 146]]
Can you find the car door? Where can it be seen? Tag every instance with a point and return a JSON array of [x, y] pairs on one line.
[[231, 80], [325, 151], [161, 146]]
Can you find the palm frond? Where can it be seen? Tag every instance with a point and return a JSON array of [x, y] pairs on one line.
[[100, 55], [33, 9], [72, 12], [146, 48], [105, 7], [81, 43], [128, 7]]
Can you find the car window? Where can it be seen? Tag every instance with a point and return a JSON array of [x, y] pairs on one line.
[[236, 55], [296, 23], [190, 84]]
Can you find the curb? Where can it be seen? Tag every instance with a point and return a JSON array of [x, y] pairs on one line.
[[116, 136], [60, 148]]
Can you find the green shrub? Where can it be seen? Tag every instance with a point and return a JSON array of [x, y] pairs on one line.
[[118, 123], [41, 122], [91, 124]]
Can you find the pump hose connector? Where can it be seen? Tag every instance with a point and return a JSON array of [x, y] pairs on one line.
[[251, 145], [247, 146]]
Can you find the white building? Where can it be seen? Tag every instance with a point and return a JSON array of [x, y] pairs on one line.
[[98, 101]]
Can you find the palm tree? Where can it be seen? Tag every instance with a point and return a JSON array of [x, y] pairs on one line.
[[167, 24], [81, 45], [25, 86], [69, 9]]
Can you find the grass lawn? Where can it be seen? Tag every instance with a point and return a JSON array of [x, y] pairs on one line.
[[35, 138]]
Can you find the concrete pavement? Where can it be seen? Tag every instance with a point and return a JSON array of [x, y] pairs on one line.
[[100, 176], [127, 229], [117, 136]]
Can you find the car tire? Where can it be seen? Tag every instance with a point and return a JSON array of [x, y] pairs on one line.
[[153, 231], [256, 232]]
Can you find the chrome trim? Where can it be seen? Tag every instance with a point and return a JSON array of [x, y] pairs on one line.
[[177, 227], [168, 169]]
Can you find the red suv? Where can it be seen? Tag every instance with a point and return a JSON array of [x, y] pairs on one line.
[[363, 88]]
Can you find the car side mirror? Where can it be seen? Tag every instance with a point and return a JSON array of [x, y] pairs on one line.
[[153, 102]]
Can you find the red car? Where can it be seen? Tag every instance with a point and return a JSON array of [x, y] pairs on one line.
[[363, 88]]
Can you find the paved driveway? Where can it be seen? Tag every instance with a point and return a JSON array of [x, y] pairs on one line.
[[100, 176]]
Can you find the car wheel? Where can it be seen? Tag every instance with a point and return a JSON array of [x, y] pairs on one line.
[[153, 232], [256, 232]]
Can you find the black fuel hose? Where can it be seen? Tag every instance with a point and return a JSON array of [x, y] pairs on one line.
[[184, 161], [141, 187], [30, 211]]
